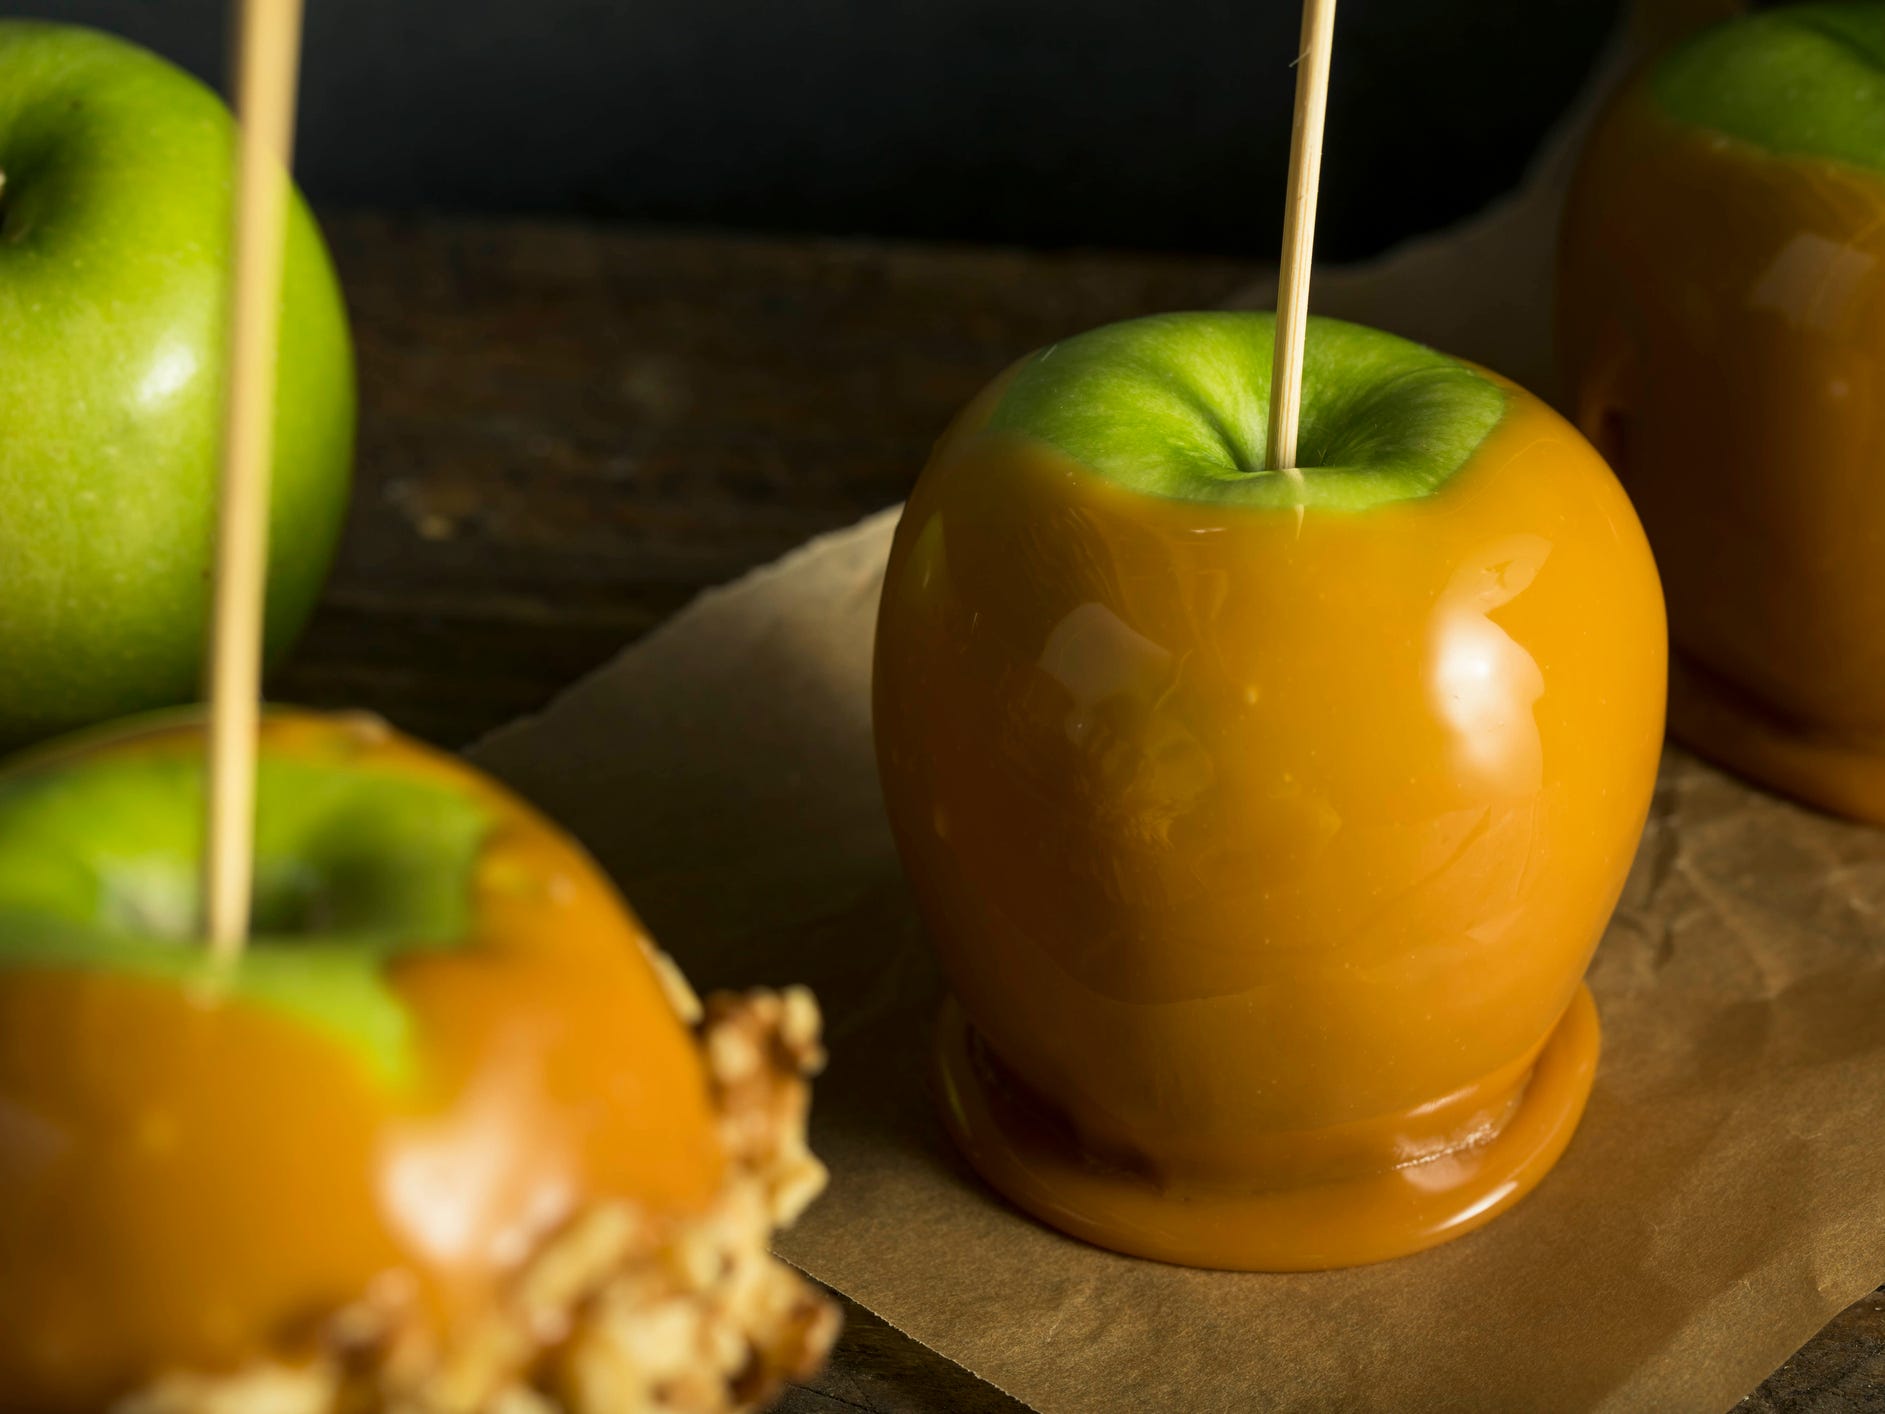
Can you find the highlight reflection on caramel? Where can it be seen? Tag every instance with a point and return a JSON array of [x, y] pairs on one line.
[[190, 1184], [1263, 856], [1722, 331]]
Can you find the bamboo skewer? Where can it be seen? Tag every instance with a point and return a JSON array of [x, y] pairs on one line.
[[268, 47], [1299, 233]]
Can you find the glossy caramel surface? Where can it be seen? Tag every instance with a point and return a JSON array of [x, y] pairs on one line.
[[1722, 332], [1266, 853], [192, 1183]]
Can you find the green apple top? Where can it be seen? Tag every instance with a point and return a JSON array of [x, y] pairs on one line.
[[114, 233], [1801, 81], [101, 857], [1177, 405]]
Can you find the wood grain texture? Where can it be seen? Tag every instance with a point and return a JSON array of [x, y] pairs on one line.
[[567, 432]]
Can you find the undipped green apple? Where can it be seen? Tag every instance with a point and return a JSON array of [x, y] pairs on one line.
[[114, 238]]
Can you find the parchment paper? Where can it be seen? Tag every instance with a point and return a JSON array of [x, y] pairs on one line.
[[1724, 1198]]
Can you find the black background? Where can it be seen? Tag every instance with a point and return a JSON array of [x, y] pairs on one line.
[[1149, 123]]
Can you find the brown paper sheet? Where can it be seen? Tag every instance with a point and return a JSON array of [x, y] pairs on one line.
[[1724, 1198]]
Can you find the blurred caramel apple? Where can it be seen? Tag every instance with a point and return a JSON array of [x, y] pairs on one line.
[[442, 1140], [1721, 321], [1265, 827]]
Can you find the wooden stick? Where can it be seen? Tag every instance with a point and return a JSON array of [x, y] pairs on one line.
[[1299, 232], [268, 47]]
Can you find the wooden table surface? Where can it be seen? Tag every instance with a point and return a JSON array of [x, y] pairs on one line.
[[566, 432]]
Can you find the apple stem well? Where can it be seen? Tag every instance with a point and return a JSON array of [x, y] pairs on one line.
[[1299, 234], [1176, 406]]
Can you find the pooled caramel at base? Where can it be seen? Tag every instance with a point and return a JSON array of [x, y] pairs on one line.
[[1843, 772], [1328, 1216]]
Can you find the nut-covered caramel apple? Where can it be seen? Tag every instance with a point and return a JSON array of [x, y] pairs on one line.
[[1266, 826], [442, 1140]]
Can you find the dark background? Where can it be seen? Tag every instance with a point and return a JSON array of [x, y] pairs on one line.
[[1148, 123]]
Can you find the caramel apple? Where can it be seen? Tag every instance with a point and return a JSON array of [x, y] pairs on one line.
[[443, 1139], [1721, 322], [1265, 826]]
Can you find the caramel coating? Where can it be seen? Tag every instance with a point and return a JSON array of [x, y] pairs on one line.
[[619, 1312]]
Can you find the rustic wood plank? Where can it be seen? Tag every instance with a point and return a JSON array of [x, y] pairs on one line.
[[1842, 1368], [567, 432], [879, 1370]]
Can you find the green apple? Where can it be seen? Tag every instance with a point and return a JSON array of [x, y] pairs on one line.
[[356, 865], [114, 239], [1802, 81], [1177, 405]]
